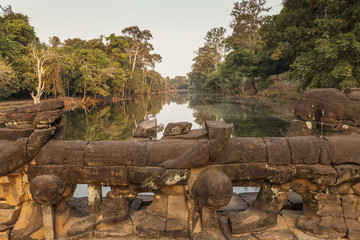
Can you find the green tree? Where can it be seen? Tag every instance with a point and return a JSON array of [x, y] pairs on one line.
[[15, 34], [320, 39], [244, 63], [215, 44], [100, 66], [247, 19], [208, 57], [114, 77], [116, 48], [179, 82], [139, 57], [8, 81], [53, 75], [92, 63], [138, 42], [245, 60]]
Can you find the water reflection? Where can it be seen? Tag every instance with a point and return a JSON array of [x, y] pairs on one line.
[[116, 120]]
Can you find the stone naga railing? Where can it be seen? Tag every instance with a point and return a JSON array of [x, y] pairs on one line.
[[191, 173]]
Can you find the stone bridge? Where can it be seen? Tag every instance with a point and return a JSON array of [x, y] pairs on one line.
[[191, 173]]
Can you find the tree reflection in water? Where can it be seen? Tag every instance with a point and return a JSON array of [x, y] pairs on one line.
[[116, 120]]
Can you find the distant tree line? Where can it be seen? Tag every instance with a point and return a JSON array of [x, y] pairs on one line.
[[317, 42], [118, 65]]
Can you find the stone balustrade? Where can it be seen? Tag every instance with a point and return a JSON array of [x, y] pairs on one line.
[[191, 173]]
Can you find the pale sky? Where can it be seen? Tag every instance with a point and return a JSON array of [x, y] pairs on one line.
[[178, 26]]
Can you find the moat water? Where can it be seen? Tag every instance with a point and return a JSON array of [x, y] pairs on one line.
[[251, 117], [116, 120]]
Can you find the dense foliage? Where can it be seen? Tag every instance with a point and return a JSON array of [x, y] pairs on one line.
[[109, 65], [317, 41], [321, 39]]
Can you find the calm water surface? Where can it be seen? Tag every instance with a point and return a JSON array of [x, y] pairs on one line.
[[117, 120]]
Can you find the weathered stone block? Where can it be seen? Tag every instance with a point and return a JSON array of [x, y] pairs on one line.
[[42, 115], [8, 217], [152, 221], [338, 224], [301, 186], [328, 105], [304, 150], [172, 153], [14, 134], [178, 128], [116, 206], [150, 225], [196, 156], [341, 189], [12, 155], [218, 134], [173, 177], [319, 174], [48, 117], [258, 172], [15, 188], [270, 199], [353, 235], [72, 174], [243, 150], [300, 128], [345, 149], [177, 217], [351, 206], [278, 151], [353, 225], [37, 140], [192, 135], [19, 117], [144, 175], [147, 129], [4, 228], [330, 208], [20, 126], [251, 220], [207, 235], [356, 187], [333, 129], [5, 235], [308, 224], [62, 153], [118, 230], [42, 106], [280, 231], [86, 225], [347, 172], [24, 228], [113, 153], [153, 178]]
